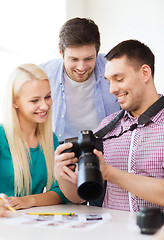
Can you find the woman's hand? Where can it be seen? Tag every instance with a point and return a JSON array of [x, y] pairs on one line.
[[4, 204], [21, 202], [65, 164]]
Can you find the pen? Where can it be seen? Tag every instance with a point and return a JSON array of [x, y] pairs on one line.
[[10, 208], [47, 214]]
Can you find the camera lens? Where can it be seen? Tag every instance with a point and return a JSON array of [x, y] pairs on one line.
[[149, 219], [89, 183]]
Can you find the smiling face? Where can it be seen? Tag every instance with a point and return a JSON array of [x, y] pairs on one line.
[[127, 84], [80, 62], [34, 102]]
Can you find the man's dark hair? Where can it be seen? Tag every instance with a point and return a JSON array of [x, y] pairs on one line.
[[136, 52], [78, 32]]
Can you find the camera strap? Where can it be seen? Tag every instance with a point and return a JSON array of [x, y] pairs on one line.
[[142, 120], [102, 132]]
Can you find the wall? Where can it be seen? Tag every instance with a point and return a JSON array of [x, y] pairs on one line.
[[29, 33], [76, 8], [119, 20]]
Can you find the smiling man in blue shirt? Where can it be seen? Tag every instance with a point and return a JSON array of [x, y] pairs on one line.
[[80, 94]]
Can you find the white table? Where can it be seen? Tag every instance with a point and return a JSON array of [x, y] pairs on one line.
[[121, 226]]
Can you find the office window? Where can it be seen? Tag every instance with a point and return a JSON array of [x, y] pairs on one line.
[[29, 33]]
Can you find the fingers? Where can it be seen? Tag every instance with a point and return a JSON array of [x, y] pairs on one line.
[[4, 197], [65, 167], [12, 201], [69, 175], [61, 166], [60, 163], [99, 154], [19, 202], [67, 157], [103, 165], [72, 166], [15, 202], [4, 206], [63, 147], [4, 200], [64, 162], [64, 159]]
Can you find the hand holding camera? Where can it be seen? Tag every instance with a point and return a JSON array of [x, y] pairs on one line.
[[89, 180], [65, 167]]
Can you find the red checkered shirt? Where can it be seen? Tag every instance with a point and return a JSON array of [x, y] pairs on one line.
[[140, 152]]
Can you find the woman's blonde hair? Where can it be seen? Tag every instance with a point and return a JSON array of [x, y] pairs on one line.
[[20, 151]]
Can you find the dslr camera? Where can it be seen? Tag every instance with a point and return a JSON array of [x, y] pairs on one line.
[[89, 181]]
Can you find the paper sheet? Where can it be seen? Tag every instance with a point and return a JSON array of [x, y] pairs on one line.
[[77, 221]]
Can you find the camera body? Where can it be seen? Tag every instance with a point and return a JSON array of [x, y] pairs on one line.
[[89, 181]]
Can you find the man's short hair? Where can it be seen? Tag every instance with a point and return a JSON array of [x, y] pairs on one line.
[[136, 52], [78, 32]]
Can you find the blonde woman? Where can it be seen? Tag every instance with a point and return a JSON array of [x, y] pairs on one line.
[[27, 142]]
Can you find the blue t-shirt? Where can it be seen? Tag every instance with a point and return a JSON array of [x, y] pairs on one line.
[[38, 169]]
